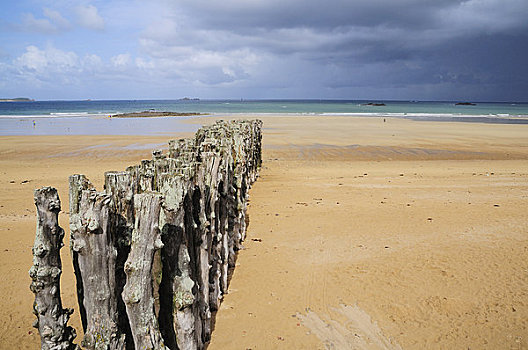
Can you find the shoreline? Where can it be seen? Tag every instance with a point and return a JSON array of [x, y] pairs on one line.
[[102, 124], [160, 114]]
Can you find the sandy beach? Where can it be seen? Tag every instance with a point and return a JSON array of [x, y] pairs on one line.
[[363, 233]]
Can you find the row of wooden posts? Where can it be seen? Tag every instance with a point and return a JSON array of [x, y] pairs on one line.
[[152, 251]]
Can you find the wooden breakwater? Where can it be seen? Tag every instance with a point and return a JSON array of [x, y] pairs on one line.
[[152, 251]]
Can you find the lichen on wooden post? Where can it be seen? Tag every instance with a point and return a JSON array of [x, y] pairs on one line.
[[94, 249], [45, 273], [179, 309], [138, 290]]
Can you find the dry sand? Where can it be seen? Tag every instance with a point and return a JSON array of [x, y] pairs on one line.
[[363, 234]]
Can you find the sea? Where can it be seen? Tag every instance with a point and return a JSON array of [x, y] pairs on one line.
[[91, 117]]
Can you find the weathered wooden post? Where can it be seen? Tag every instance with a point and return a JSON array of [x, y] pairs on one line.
[[52, 319], [138, 292], [179, 316], [93, 243]]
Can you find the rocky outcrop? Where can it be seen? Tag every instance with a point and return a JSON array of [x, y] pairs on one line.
[[374, 104]]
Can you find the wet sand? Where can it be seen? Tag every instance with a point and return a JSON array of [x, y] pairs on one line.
[[362, 234]]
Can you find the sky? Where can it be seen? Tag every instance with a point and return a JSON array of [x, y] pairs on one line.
[[474, 50]]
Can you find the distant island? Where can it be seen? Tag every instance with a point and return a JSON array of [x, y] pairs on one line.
[[189, 99], [17, 99], [374, 104], [465, 104], [150, 114]]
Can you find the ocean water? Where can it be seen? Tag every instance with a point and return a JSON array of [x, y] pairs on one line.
[[91, 117]]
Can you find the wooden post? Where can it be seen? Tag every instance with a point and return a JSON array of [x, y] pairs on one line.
[[93, 243], [138, 291], [45, 273]]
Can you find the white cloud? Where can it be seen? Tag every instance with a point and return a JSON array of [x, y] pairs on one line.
[[39, 25], [199, 64], [92, 62], [52, 65], [121, 60], [46, 61], [144, 64], [56, 18], [198, 56], [89, 17], [53, 24]]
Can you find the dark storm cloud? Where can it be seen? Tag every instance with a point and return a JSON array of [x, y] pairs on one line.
[[451, 47], [321, 14]]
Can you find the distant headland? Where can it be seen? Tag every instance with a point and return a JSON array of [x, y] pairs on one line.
[[17, 99]]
